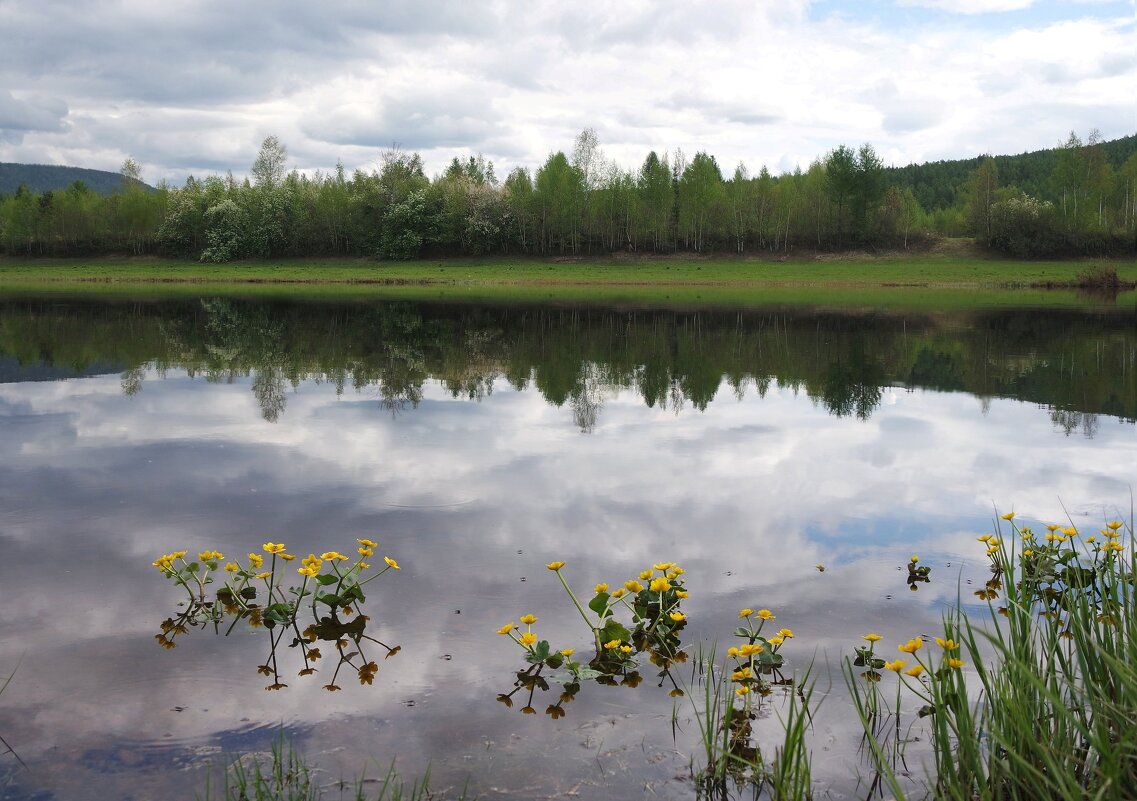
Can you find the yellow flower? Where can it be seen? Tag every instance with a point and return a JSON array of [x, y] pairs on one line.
[[366, 551], [663, 566], [677, 616], [1113, 525], [787, 633], [984, 538], [743, 690], [739, 675], [747, 612], [633, 586], [660, 585], [528, 620], [508, 627], [750, 648], [1008, 516], [646, 575], [947, 645], [611, 645], [566, 652], [912, 646], [366, 543], [775, 641], [287, 557], [311, 572], [618, 593], [528, 638], [264, 575], [732, 652], [627, 649], [555, 566], [956, 663], [1070, 531], [681, 593], [231, 567], [1028, 552], [765, 614], [914, 671], [256, 560], [601, 587], [207, 556], [677, 570], [273, 547], [915, 559], [391, 563], [896, 666], [872, 637]]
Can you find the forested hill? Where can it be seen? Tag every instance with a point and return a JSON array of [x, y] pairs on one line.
[[49, 177], [943, 184]]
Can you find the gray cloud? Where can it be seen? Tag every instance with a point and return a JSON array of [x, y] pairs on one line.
[[37, 113]]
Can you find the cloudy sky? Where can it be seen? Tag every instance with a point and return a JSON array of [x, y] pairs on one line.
[[194, 87]]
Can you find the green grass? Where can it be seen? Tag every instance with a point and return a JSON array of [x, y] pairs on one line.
[[1050, 714], [285, 775], [920, 281]]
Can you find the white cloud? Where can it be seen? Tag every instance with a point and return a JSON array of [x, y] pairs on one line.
[[196, 87]]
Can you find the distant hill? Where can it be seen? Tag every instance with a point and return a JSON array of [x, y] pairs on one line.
[[42, 177], [940, 184]]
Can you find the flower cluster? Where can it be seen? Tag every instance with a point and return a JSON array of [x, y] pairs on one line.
[[331, 585], [759, 655]]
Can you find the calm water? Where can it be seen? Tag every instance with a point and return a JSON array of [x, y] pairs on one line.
[[477, 444]]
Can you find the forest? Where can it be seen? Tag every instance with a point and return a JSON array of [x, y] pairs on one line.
[[1074, 199]]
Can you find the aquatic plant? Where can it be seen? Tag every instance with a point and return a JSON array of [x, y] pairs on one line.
[[331, 588]]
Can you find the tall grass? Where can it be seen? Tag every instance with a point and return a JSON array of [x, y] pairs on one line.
[[732, 758], [1052, 715], [286, 776]]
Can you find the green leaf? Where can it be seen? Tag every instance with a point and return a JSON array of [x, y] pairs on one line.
[[742, 632], [599, 604], [324, 579], [614, 631], [541, 651]]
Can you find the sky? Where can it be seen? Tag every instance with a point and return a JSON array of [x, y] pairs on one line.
[[195, 87]]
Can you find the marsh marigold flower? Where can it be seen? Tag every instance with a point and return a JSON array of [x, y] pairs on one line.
[[912, 646], [633, 586], [787, 633], [618, 593], [765, 614], [663, 566], [528, 638], [956, 663], [896, 666], [555, 566], [1008, 516], [947, 645], [508, 627], [872, 637], [747, 612], [660, 585], [750, 648], [611, 645], [677, 616], [601, 587], [273, 547], [914, 671], [391, 563], [566, 652], [529, 620], [232, 567], [366, 543], [256, 560]]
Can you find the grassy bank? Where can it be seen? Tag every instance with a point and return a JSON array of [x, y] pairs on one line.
[[927, 280]]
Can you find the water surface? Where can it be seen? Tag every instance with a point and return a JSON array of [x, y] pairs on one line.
[[477, 443]]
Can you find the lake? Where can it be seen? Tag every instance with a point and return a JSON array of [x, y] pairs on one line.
[[788, 458]]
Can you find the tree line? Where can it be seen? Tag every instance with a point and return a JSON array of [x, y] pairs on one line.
[[1080, 198]]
